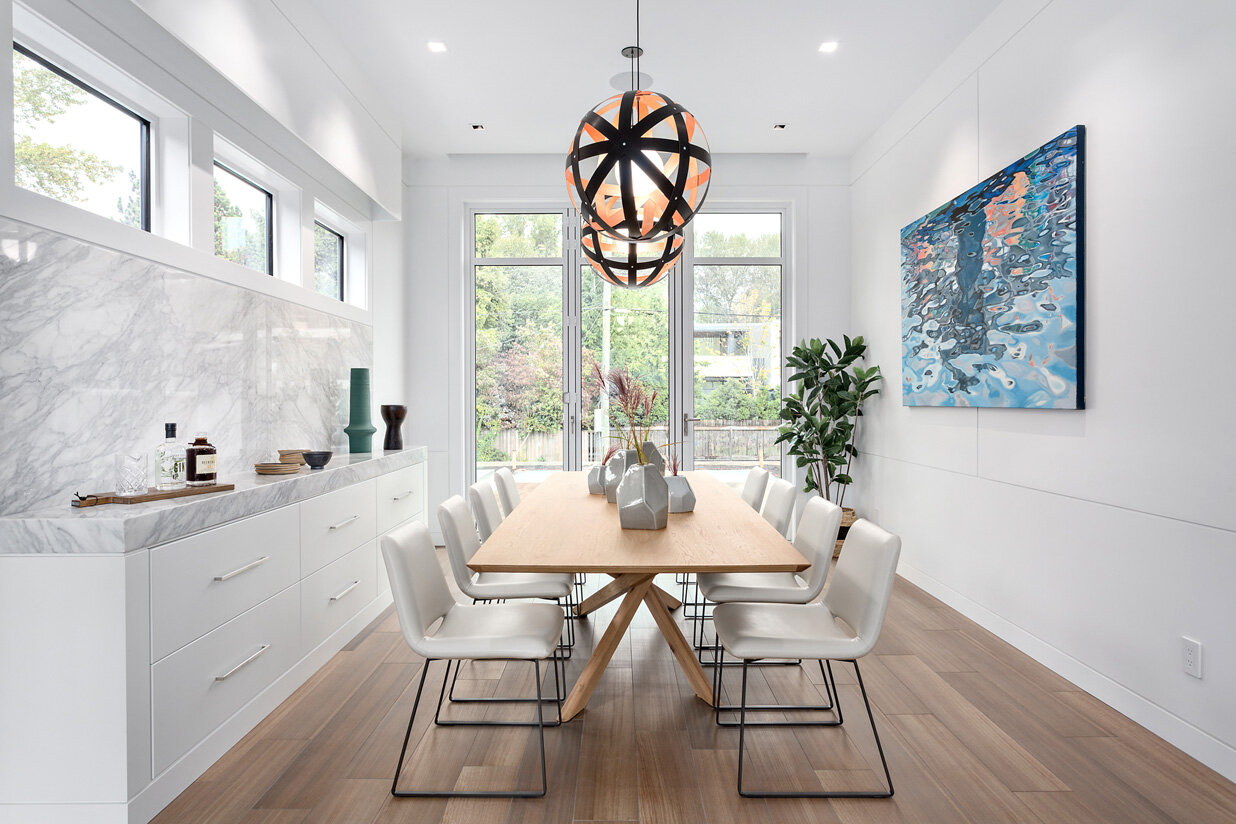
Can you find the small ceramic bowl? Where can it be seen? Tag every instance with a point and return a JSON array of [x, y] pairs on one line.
[[317, 460]]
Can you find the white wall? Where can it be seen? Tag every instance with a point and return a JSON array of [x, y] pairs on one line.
[[283, 54], [388, 302], [436, 197], [1092, 540]]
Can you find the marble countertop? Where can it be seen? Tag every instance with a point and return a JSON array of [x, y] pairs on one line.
[[119, 528]]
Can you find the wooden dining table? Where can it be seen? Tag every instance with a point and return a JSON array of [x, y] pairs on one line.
[[560, 527]]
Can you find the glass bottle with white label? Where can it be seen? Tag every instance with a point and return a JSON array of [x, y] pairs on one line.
[[200, 462], [169, 461]]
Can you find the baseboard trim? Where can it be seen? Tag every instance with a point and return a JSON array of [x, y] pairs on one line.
[[64, 813], [176, 778], [1178, 732]]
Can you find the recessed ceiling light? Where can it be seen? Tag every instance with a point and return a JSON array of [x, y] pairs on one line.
[[437, 47], [829, 46], [778, 126], [478, 127]]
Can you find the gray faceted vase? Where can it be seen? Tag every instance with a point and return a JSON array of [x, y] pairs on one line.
[[652, 455], [614, 468], [643, 498], [681, 496], [596, 480]]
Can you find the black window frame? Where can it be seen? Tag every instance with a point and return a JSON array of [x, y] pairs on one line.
[[343, 245], [270, 214], [144, 149]]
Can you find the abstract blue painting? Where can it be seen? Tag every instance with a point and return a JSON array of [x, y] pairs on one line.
[[991, 289]]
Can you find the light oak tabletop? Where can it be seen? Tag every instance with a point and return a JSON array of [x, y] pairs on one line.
[[559, 527]]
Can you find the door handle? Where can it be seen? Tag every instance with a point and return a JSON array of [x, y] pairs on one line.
[[686, 419]]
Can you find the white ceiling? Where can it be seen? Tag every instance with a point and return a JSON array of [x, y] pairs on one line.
[[529, 70]]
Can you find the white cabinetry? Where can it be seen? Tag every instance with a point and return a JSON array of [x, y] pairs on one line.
[[333, 594], [201, 581], [200, 686], [333, 524], [167, 633]]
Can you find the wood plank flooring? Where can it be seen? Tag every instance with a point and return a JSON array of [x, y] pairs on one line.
[[974, 732]]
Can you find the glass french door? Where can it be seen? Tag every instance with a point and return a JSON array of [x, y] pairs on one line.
[[732, 301], [707, 339]]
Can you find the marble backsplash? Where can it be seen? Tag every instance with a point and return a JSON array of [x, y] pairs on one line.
[[98, 349]]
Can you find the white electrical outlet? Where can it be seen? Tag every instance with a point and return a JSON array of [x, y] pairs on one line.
[[1192, 656]]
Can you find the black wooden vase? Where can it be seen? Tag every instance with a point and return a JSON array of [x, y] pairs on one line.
[[393, 416]]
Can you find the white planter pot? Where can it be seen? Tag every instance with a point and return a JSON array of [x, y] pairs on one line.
[[596, 480], [614, 468], [681, 496], [652, 455], [643, 498]]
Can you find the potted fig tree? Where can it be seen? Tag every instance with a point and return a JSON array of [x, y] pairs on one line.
[[821, 414]]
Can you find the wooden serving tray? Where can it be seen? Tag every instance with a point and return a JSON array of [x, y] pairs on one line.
[[151, 494]]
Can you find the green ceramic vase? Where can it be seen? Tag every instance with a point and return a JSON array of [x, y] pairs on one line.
[[360, 427]]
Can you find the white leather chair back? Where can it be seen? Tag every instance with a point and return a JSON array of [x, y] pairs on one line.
[[461, 542], [508, 493], [779, 505], [485, 510], [753, 489], [863, 581], [417, 584], [815, 538]]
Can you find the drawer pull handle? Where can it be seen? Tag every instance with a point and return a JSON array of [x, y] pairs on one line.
[[345, 590], [243, 663], [343, 523], [229, 575], [401, 497]]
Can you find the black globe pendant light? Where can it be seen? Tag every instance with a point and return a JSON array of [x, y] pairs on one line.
[[630, 265], [639, 166]]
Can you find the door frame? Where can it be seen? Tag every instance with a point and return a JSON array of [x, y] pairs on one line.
[[682, 310], [681, 320], [570, 256]]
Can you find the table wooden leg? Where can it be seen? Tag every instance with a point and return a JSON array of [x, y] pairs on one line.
[[614, 589], [682, 648], [671, 603], [604, 649]]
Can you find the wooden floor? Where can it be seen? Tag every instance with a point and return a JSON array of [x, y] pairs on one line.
[[974, 732]]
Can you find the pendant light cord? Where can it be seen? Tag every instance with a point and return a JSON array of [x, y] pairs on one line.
[[636, 80], [639, 52]]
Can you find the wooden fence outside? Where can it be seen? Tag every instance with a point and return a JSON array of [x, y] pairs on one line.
[[736, 441]]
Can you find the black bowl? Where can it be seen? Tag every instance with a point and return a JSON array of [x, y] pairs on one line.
[[317, 460]]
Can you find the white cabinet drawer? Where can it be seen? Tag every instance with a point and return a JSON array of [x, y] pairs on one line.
[[401, 495], [197, 688], [330, 596], [200, 582], [333, 524]]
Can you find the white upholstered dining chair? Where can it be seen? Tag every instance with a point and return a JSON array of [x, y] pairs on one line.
[[753, 488], [483, 499], [815, 537], [778, 508], [439, 629], [459, 533], [508, 493], [844, 626]]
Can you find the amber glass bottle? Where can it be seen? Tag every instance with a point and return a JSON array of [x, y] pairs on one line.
[[200, 462]]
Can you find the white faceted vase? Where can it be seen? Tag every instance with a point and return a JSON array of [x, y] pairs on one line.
[[652, 455], [596, 480], [681, 496], [643, 498], [614, 468]]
